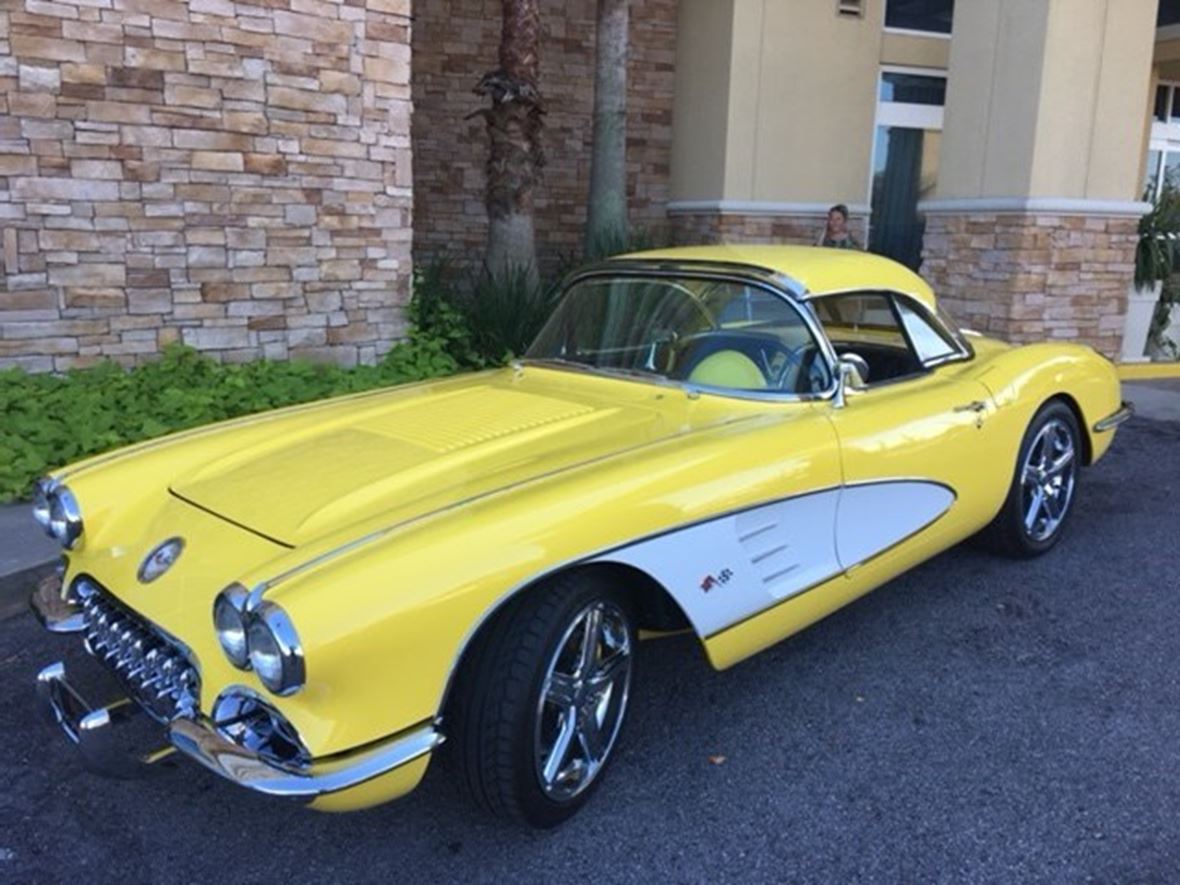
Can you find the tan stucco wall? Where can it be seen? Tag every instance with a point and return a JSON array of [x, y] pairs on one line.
[[1058, 87], [785, 104], [911, 50], [701, 104], [776, 100], [992, 98], [1094, 94]]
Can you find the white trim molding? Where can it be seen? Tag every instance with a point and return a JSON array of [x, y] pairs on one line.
[[1035, 206], [759, 207]]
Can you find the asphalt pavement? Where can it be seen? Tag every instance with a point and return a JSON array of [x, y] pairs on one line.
[[977, 720]]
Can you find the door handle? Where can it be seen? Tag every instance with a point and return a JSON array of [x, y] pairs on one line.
[[978, 406]]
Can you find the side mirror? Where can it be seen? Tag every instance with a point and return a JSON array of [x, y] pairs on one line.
[[853, 372]]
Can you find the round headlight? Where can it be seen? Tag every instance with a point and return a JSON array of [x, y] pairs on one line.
[[229, 620], [275, 652], [41, 504], [65, 517]]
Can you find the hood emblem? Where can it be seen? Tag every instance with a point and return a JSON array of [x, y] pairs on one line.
[[160, 559]]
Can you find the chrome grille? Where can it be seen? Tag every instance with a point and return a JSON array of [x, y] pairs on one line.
[[153, 667]]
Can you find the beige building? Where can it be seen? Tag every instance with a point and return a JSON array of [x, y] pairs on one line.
[[1002, 146], [257, 180]]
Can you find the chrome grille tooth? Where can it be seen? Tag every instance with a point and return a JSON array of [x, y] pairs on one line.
[[155, 671]]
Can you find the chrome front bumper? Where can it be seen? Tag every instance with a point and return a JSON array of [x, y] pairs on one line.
[[97, 733], [1113, 420], [102, 732]]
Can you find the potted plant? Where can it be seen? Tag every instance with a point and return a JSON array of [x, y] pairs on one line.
[[1155, 257]]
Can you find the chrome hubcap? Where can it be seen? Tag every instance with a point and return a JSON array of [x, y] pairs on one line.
[[1047, 480], [583, 699]]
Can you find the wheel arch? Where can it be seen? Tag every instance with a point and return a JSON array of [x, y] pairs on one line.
[[1073, 405], [656, 610]]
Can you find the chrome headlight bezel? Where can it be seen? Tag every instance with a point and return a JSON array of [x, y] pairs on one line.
[[41, 492], [229, 618], [56, 510], [276, 655], [268, 643]]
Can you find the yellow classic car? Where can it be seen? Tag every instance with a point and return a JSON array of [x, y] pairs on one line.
[[732, 441]]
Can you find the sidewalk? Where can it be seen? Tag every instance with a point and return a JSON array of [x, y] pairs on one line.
[[25, 553], [1154, 400]]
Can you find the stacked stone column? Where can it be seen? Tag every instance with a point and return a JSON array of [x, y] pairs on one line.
[[229, 175]]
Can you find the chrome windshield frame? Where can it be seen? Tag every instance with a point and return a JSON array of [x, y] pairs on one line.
[[785, 288]]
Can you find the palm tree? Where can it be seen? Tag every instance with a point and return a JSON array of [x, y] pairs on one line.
[[606, 225], [515, 156]]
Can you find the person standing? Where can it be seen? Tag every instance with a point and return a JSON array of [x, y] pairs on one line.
[[836, 234]]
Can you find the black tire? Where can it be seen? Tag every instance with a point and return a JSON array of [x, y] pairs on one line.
[[498, 719], [1010, 532]]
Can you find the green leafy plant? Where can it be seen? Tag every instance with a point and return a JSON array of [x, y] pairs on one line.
[[1159, 233], [50, 420], [1159, 344], [505, 312]]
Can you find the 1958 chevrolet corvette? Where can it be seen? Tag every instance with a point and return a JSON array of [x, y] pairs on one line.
[[734, 441]]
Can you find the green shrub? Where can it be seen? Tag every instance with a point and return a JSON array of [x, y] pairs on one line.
[[504, 312], [50, 420]]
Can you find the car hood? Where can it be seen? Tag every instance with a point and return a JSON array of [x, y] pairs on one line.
[[406, 454]]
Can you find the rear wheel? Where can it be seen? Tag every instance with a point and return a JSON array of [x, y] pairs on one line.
[[1044, 486], [543, 700]]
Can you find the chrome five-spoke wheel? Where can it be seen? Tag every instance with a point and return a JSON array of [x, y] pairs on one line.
[[583, 700], [1047, 477], [1045, 485], [541, 700]]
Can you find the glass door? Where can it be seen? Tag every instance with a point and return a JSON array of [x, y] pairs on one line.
[[905, 160]]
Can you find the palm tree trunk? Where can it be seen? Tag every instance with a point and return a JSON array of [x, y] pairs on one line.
[[515, 156], [606, 225]]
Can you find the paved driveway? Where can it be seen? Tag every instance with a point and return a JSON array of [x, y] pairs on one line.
[[977, 720]]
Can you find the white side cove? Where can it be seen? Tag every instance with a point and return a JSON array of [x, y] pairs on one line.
[[872, 518], [731, 568]]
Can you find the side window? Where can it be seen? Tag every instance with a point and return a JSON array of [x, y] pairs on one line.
[[865, 324], [931, 345]]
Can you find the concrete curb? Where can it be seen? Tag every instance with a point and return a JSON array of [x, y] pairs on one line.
[[16, 588]]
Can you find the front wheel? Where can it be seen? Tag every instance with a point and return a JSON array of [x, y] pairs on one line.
[[1044, 487], [544, 699]]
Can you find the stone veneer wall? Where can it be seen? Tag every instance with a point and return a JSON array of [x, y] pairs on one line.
[[455, 42], [233, 175], [1030, 277], [796, 230]]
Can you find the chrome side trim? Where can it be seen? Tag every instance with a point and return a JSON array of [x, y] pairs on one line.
[[200, 742], [1110, 422]]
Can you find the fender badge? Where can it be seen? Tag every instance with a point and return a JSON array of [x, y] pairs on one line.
[[160, 559]]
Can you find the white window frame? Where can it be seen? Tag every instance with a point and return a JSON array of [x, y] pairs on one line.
[[909, 32], [902, 114], [1165, 136]]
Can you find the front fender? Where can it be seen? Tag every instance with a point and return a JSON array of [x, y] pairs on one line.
[[1023, 379], [384, 626]]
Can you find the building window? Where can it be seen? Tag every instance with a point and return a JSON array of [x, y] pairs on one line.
[[928, 16], [1163, 150], [905, 160], [1169, 13]]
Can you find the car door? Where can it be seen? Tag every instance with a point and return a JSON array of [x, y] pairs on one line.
[[914, 439]]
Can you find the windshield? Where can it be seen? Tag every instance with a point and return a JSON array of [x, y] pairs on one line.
[[710, 333]]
